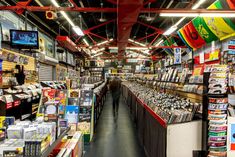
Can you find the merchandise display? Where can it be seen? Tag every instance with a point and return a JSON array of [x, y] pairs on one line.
[[171, 108], [217, 110], [175, 61]]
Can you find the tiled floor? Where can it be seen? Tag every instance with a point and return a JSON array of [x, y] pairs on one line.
[[115, 136]]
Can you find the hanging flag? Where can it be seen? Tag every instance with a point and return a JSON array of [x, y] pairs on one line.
[[203, 30], [192, 36], [231, 4], [223, 4], [182, 38], [218, 26], [168, 42], [187, 37]]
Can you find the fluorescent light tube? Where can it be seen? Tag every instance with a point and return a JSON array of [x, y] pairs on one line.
[[113, 48], [86, 42], [179, 14], [170, 30], [102, 49], [104, 42], [157, 44], [216, 15], [196, 15], [137, 48], [98, 54], [197, 5], [54, 2], [136, 42], [78, 30], [67, 18]]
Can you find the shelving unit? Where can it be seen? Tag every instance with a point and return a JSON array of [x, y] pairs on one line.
[[47, 152], [96, 71], [157, 137]]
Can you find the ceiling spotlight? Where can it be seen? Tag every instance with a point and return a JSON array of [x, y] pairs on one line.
[[102, 19], [149, 18]]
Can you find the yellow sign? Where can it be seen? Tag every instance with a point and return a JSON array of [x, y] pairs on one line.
[[214, 55], [114, 71]]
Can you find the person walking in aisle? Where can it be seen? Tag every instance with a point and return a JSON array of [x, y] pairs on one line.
[[115, 88]]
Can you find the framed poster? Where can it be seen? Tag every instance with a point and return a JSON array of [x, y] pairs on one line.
[[177, 55]]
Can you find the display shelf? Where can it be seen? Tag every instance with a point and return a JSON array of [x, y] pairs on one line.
[[47, 152], [158, 138], [157, 117]]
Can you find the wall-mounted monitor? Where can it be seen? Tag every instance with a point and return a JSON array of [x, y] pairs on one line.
[[24, 39]]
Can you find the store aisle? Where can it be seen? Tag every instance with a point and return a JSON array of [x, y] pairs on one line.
[[115, 137]]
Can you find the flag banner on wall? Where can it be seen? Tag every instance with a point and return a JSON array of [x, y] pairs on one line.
[[177, 55], [218, 25], [204, 30]]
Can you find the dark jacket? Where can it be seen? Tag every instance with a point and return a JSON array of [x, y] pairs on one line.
[[115, 87]]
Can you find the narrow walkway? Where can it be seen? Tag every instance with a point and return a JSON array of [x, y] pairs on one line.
[[115, 137]]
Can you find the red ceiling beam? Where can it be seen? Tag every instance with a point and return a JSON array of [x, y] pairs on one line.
[[149, 1], [154, 40], [77, 40], [140, 39], [160, 31], [110, 54], [93, 41], [167, 47], [114, 10], [22, 4], [74, 4], [112, 2], [98, 36], [97, 26]]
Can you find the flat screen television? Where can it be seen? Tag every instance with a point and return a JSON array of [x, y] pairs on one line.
[[24, 39]]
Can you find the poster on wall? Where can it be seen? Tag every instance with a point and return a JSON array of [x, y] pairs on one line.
[[41, 45], [177, 55]]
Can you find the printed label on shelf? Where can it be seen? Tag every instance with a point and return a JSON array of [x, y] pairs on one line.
[[9, 105], [16, 103]]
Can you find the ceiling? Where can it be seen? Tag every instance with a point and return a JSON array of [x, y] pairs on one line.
[[146, 28]]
